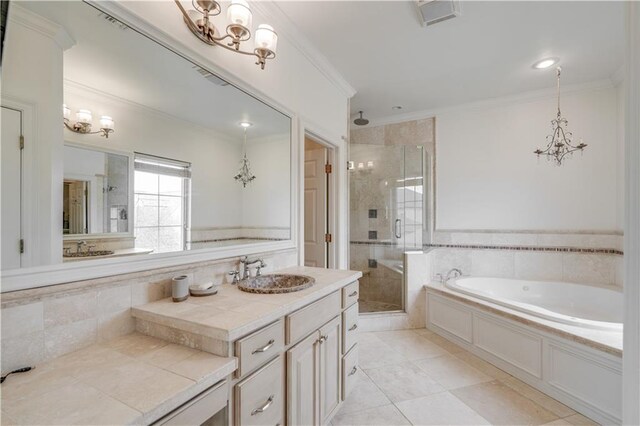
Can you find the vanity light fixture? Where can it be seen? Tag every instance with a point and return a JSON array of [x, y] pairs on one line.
[[238, 30], [84, 121], [559, 141], [245, 176]]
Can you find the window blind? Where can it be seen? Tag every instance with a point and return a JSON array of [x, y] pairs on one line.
[[161, 166]]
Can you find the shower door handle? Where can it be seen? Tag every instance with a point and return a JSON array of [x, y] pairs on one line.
[[398, 230]]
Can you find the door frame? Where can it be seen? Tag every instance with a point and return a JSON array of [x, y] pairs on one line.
[[331, 199]]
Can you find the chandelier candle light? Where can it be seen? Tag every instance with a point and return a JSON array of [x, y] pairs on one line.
[[559, 142], [238, 29], [244, 176]]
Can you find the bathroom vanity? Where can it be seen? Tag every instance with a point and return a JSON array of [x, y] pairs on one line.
[[297, 352]]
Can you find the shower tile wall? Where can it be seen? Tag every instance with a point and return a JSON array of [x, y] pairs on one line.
[[378, 165]]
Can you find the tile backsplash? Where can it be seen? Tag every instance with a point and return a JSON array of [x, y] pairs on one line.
[[45, 323]]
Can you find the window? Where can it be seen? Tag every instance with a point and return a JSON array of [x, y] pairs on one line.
[[161, 200]]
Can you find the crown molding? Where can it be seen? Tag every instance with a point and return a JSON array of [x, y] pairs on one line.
[[529, 96], [286, 27], [41, 25], [82, 89]]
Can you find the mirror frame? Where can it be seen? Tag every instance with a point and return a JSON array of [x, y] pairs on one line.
[[131, 213], [61, 273]]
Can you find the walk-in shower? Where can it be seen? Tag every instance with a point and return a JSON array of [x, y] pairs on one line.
[[387, 217]]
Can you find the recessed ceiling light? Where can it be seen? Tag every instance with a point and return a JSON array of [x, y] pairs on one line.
[[545, 63], [245, 124], [396, 107]]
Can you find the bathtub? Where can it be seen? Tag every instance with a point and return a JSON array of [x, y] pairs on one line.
[[575, 304]]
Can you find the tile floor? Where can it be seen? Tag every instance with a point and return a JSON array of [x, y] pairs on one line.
[[417, 377]]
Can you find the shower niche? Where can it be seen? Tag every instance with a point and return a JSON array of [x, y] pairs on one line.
[[388, 216]]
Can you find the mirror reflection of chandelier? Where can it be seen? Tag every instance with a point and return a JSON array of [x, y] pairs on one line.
[[559, 141], [244, 176], [237, 31]]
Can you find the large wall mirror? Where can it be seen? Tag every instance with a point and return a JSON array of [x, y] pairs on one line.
[[139, 151]]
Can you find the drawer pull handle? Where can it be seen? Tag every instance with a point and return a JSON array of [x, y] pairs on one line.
[[354, 293], [264, 407], [264, 348], [353, 327], [353, 370]]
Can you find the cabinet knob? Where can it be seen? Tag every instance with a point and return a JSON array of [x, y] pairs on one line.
[[353, 370], [323, 339]]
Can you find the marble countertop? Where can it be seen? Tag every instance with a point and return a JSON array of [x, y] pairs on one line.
[[606, 341], [134, 379], [232, 313]]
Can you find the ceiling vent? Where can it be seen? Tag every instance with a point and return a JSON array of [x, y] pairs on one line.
[[434, 11], [211, 77], [113, 21]]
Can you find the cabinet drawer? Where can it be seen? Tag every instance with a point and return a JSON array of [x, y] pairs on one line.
[[349, 328], [349, 370], [259, 399], [257, 348], [310, 318], [350, 294], [199, 409]]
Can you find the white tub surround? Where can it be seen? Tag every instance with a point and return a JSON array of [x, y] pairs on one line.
[[578, 366], [133, 379], [232, 313], [585, 306]]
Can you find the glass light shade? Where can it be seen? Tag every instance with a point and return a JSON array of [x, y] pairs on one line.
[[83, 116], [239, 13], [66, 112], [106, 122], [266, 38]]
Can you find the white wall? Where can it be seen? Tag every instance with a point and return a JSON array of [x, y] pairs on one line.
[[487, 177]]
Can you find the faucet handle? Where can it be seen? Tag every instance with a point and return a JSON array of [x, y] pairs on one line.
[[236, 276], [439, 278], [259, 267]]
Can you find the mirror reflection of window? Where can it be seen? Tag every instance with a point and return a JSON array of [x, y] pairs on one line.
[[161, 199]]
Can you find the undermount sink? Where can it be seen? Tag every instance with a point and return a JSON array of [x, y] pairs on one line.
[[89, 253], [276, 283]]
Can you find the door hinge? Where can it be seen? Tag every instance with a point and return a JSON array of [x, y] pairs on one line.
[[21, 246], [21, 142], [327, 238], [327, 168]]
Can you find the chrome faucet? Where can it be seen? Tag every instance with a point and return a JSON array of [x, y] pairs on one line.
[[246, 262], [453, 273], [79, 245]]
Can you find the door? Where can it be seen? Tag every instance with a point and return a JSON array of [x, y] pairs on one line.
[[303, 382], [11, 198], [330, 351], [315, 207]]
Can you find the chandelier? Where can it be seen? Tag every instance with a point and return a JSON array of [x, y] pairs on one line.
[[559, 141], [244, 176], [237, 31]]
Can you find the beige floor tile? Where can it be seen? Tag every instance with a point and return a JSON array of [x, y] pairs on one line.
[[451, 372], [440, 409], [482, 365], [385, 415], [501, 405], [375, 354], [364, 395], [559, 422], [402, 382], [414, 347], [393, 334], [538, 397], [447, 345], [368, 337], [580, 420], [423, 332]]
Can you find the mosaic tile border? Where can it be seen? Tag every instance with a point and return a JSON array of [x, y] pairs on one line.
[[499, 247]]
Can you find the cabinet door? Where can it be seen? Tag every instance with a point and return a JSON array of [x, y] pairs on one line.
[[303, 382], [330, 360]]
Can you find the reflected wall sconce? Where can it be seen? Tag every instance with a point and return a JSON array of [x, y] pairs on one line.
[[239, 16], [84, 121]]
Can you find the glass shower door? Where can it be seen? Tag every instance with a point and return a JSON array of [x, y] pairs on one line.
[[386, 208]]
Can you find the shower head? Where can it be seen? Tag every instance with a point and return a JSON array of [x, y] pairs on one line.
[[360, 121]]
